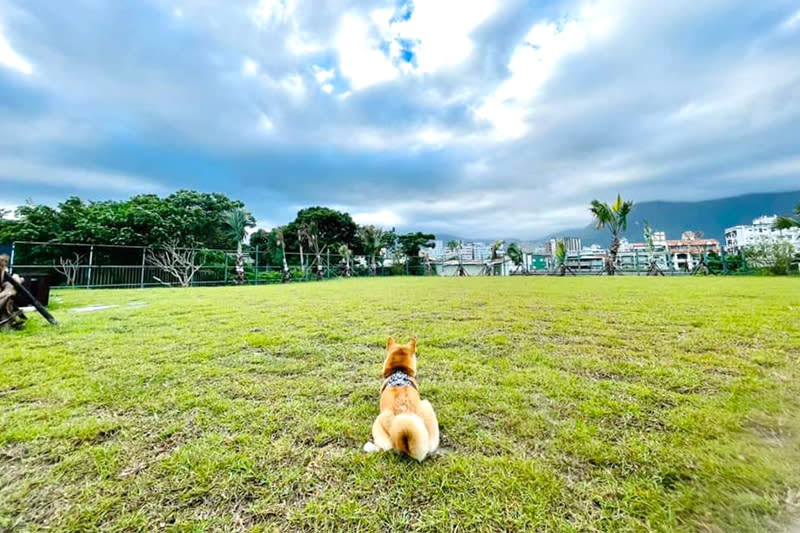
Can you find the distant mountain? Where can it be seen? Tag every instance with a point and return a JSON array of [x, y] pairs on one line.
[[446, 237], [709, 216]]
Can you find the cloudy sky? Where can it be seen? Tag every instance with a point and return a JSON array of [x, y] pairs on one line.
[[477, 118]]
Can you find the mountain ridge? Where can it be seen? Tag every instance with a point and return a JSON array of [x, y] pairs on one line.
[[709, 216]]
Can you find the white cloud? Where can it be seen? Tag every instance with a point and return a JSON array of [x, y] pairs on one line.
[[384, 218], [249, 67], [177, 13], [301, 44], [360, 58], [432, 135], [441, 29], [265, 123], [268, 12], [322, 75], [11, 59], [792, 23], [294, 86], [534, 62]]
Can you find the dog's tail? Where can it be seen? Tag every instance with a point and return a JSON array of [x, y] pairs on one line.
[[409, 435]]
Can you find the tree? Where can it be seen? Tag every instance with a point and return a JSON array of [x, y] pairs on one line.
[[773, 256], [454, 247], [69, 268], [373, 242], [346, 255], [789, 222], [237, 221], [181, 263], [411, 244], [517, 257], [561, 257], [615, 218], [7, 226], [652, 264], [310, 233], [280, 234], [189, 217], [496, 249], [330, 226]]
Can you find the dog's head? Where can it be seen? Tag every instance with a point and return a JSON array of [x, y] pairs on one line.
[[401, 357]]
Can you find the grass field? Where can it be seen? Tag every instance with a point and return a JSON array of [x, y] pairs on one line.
[[565, 404]]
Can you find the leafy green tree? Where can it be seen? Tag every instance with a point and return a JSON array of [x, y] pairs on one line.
[[517, 256], [615, 218], [411, 244], [189, 217], [329, 227], [7, 226]]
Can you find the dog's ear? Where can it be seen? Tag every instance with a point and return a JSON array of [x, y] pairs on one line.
[[413, 345], [390, 342]]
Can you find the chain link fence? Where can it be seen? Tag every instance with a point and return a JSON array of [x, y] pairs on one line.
[[107, 266]]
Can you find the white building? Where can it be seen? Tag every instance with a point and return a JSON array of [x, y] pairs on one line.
[[438, 250], [762, 229], [572, 244], [476, 251]]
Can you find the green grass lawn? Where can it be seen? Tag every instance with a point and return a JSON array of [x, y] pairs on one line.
[[565, 404]]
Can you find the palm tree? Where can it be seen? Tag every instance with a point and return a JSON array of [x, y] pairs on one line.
[[652, 264], [372, 238], [789, 222], [496, 249], [237, 221], [346, 254], [454, 247], [516, 255], [308, 231], [561, 257], [615, 218], [280, 233]]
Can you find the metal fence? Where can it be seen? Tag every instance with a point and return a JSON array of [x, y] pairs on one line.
[[97, 266], [109, 266]]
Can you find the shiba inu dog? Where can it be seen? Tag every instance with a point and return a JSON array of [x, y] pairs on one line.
[[406, 424]]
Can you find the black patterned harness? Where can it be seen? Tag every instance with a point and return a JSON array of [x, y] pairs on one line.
[[399, 378]]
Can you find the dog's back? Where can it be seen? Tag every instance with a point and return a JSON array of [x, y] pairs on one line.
[[406, 423]]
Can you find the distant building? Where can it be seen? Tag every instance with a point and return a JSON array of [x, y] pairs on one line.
[[572, 244], [683, 254], [474, 251], [762, 229], [438, 250], [686, 253]]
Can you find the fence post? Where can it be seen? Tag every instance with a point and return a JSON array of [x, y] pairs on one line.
[[11, 259], [89, 272], [328, 270], [225, 254], [144, 256], [256, 266], [636, 260]]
